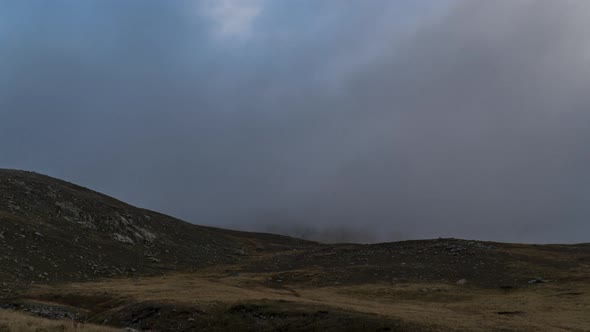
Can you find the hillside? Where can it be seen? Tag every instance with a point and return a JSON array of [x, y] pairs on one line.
[[67, 252], [55, 231]]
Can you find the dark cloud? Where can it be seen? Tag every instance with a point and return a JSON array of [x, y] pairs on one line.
[[365, 122]]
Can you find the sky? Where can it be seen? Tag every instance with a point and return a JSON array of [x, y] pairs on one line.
[[357, 120]]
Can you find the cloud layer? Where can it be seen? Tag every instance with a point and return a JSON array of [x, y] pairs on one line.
[[233, 18], [369, 121]]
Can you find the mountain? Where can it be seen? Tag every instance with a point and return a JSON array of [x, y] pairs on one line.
[[67, 252], [55, 231]]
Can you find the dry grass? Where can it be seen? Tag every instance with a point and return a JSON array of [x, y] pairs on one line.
[[17, 322], [536, 308], [563, 304], [547, 307]]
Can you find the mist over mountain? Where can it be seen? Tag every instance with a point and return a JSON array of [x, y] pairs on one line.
[[367, 121], [73, 258]]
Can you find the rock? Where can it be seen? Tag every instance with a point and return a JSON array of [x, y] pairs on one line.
[[241, 252], [123, 238], [537, 280], [462, 282]]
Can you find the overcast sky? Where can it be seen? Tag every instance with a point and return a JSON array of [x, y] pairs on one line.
[[359, 120]]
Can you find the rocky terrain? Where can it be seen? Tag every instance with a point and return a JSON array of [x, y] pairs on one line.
[[54, 231], [69, 253]]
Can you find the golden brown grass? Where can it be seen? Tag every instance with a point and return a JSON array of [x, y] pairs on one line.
[[545, 307], [11, 321]]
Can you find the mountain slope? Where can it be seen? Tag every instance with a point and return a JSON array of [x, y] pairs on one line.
[[60, 243], [52, 230]]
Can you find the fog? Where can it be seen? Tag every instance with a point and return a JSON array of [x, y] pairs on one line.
[[366, 120]]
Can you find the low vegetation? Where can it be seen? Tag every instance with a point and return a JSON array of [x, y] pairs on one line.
[[11, 321], [76, 256]]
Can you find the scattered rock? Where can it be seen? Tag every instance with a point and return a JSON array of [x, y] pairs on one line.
[[123, 238], [537, 280]]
